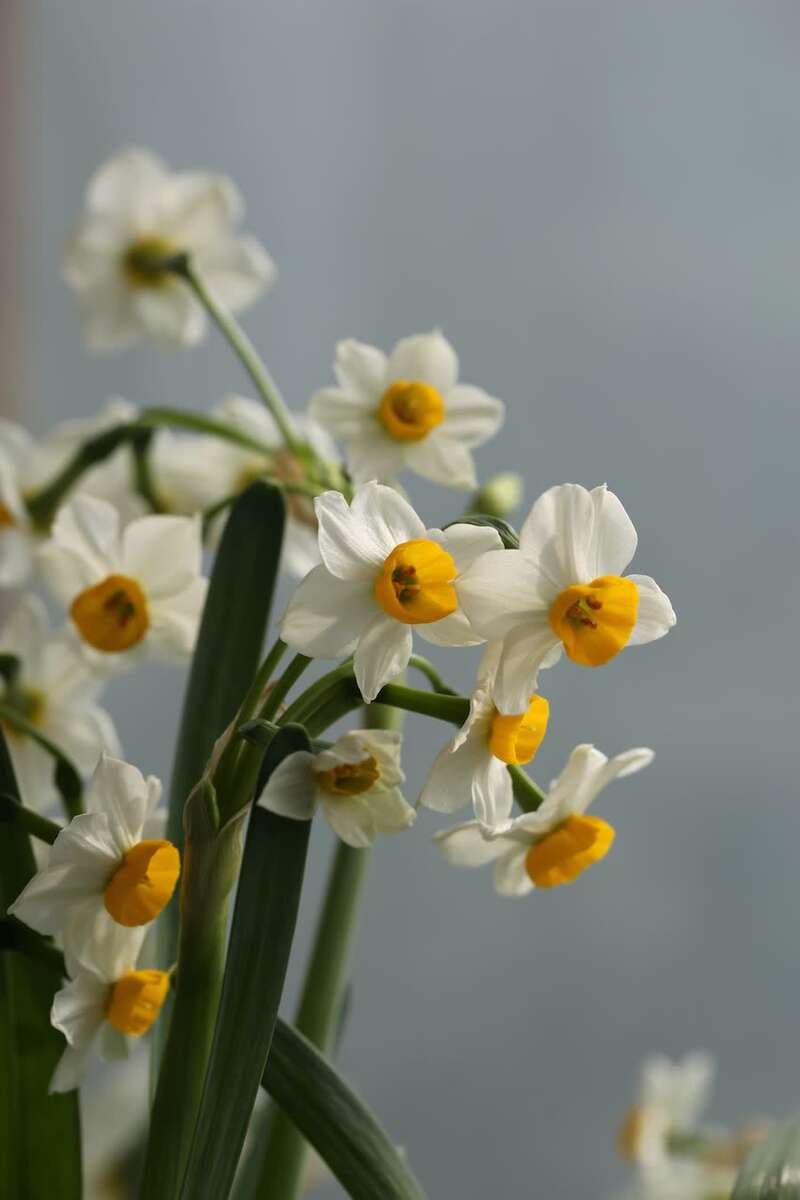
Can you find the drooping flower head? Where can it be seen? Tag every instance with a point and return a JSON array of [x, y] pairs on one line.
[[555, 844], [563, 591], [105, 1010], [382, 573], [139, 212], [54, 688], [473, 765], [109, 872], [406, 411], [130, 592], [672, 1098], [356, 782]]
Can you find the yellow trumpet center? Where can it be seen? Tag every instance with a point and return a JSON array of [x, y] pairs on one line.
[[7, 518], [350, 779], [135, 1001], [141, 262], [410, 410], [515, 739], [143, 883], [566, 852], [415, 585], [112, 615], [594, 620]]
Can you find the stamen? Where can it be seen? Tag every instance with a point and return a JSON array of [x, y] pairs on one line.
[[410, 410], [416, 583], [350, 779], [595, 620], [112, 615]]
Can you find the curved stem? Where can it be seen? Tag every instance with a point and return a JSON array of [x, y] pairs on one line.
[[290, 675], [243, 348], [431, 674]]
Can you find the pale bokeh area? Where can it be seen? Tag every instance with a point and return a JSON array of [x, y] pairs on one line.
[[598, 202]]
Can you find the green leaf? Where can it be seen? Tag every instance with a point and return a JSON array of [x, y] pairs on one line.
[[772, 1170], [261, 936], [40, 1153], [335, 1121]]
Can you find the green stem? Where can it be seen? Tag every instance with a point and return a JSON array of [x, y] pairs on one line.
[[43, 505], [316, 694], [243, 348], [323, 993], [68, 780], [526, 793], [431, 674], [39, 827], [143, 475], [223, 775], [278, 692], [429, 704]]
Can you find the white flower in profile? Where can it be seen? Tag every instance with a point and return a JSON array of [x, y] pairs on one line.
[[233, 468], [562, 590], [555, 844], [473, 765], [104, 1010], [108, 874], [130, 592], [55, 689], [137, 212], [25, 465], [672, 1098], [382, 573], [356, 781], [406, 411]]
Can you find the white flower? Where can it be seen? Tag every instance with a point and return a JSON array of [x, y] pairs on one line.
[[562, 590], [233, 467], [555, 844], [406, 411], [683, 1179], [25, 465], [130, 592], [55, 689], [672, 1098], [107, 875], [356, 781], [138, 210], [473, 765], [381, 573], [104, 1009]]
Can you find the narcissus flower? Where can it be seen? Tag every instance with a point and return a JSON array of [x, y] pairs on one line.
[[55, 688], [382, 573], [25, 464], [130, 592], [473, 765], [104, 1010], [555, 844], [139, 212], [672, 1098], [108, 874], [407, 411], [356, 781], [562, 590]]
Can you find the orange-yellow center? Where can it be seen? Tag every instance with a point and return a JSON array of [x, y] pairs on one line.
[[515, 739], [350, 779], [630, 1133], [415, 585], [409, 410], [135, 1001], [594, 620], [7, 518], [112, 615], [143, 883], [142, 262], [566, 852]]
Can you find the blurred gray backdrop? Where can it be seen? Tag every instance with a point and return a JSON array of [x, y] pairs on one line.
[[598, 202]]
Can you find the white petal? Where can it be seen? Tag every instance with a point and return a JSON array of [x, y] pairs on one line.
[[348, 545], [510, 876], [162, 553], [326, 615], [391, 812], [361, 369], [350, 819], [119, 790], [428, 357], [16, 556], [33, 768], [170, 315], [467, 846], [114, 1046], [614, 539], [655, 616], [492, 792], [26, 629], [389, 516], [71, 1068], [577, 535], [345, 414], [236, 270], [291, 790], [525, 652], [78, 1008], [108, 320], [449, 784], [472, 416], [375, 455], [122, 182], [454, 630], [174, 622], [196, 207], [84, 547], [442, 459], [467, 542], [383, 651], [502, 590], [83, 733]]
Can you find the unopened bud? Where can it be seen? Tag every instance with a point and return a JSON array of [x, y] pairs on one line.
[[500, 495]]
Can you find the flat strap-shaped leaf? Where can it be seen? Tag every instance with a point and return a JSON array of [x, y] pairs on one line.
[[333, 1119], [258, 953], [772, 1170]]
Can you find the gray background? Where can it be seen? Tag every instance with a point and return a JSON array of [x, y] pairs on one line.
[[598, 202]]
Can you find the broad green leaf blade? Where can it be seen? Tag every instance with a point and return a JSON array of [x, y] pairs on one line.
[[335, 1121], [772, 1170], [258, 952], [40, 1153], [228, 646]]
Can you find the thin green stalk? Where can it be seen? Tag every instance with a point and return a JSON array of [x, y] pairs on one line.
[[223, 774], [243, 348], [317, 693], [42, 505], [34, 824], [323, 994], [143, 475], [278, 692], [431, 674]]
